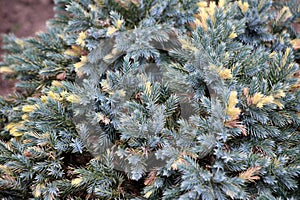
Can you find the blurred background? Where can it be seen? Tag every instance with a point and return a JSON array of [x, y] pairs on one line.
[[23, 18]]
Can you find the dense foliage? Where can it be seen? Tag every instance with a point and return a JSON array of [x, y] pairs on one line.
[[154, 99]]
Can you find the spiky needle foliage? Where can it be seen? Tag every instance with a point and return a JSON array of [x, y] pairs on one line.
[[154, 99]]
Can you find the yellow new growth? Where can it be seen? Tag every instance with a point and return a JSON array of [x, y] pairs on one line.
[[257, 97], [295, 43], [284, 14], [73, 98], [105, 85], [54, 96], [28, 108], [6, 70], [13, 128], [24, 117], [232, 35], [148, 88], [225, 74], [205, 12], [122, 93], [43, 98], [202, 4], [272, 54], [20, 42], [260, 100], [221, 3], [74, 51], [38, 190], [280, 94], [83, 61], [119, 24], [187, 45], [265, 100], [285, 56], [10, 126], [70, 52], [76, 181], [15, 131], [232, 111], [56, 83], [148, 194], [111, 30], [80, 40], [63, 94], [93, 7], [243, 6], [278, 103]]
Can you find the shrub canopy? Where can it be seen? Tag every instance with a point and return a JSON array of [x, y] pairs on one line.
[[154, 99]]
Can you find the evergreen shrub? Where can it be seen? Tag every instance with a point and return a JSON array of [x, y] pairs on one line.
[[154, 99]]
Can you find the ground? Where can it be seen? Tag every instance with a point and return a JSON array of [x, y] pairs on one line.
[[23, 18]]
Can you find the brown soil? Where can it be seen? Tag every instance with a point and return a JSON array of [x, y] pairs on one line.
[[23, 18]]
